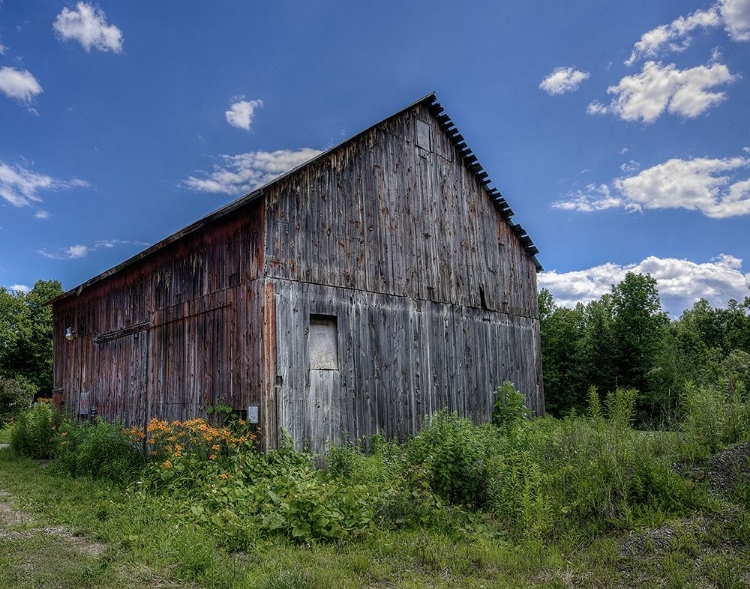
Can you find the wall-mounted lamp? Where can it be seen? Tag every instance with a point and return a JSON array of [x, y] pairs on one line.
[[69, 333]]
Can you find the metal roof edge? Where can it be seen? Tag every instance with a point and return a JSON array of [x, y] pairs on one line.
[[472, 163]]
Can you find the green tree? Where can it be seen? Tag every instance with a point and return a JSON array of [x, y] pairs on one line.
[[16, 395], [599, 349], [26, 334], [639, 326], [561, 331], [735, 322]]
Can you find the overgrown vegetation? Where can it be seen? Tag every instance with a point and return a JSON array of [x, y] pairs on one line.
[[519, 495]]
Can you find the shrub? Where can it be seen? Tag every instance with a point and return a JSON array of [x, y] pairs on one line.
[[34, 432], [399, 491], [16, 395], [509, 410], [455, 451], [103, 450]]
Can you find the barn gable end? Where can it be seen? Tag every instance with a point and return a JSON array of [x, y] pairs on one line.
[[354, 295]]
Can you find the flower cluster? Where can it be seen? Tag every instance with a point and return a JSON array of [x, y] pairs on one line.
[[169, 441]]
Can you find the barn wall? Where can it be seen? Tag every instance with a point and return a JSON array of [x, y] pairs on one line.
[[399, 359], [392, 214], [171, 334]]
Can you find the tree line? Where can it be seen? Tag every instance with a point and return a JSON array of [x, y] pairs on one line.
[[626, 340]]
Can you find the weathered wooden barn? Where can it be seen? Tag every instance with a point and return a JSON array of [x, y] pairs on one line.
[[374, 285]]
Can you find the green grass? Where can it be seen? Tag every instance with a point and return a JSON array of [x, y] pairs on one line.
[[143, 544], [583, 501], [5, 435]]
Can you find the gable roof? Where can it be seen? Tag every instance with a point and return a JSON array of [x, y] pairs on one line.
[[446, 124]]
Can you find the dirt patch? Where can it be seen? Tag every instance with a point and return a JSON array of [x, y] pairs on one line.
[[726, 471]]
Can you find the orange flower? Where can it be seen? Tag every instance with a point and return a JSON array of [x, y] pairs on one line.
[[64, 434], [224, 476], [212, 457], [167, 464]]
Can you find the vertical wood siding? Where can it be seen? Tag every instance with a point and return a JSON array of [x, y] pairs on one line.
[[384, 215], [174, 333], [400, 360]]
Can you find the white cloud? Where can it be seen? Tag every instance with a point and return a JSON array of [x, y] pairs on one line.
[[657, 88], [733, 15], [87, 24], [736, 15], [680, 282], [70, 253], [563, 79], [75, 252], [674, 36], [630, 166], [20, 186], [241, 113], [19, 288], [592, 198], [19, 84], [711, 186], [244, 172], [42, 214], [3, 49]]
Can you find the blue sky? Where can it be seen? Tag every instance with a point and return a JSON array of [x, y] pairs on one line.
[[619, 132]]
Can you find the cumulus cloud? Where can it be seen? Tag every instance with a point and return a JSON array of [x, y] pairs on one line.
[[87, 24], [21, 186], [42, 214], [680, 282], [718, 188], [736, 16], [657, 88], [238, 174], [733, 15], [674, 36], [562, 80], [78, 251], [19, 84], [240, 114]]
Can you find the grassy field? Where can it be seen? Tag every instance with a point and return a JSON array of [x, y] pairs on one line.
[[60, 532]]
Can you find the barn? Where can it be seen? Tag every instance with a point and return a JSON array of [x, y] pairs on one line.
[[355, 295]]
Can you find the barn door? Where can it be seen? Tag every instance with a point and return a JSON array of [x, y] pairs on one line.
[[307, 370], [323, 408]]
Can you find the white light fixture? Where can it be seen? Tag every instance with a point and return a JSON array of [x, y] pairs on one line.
[[69, 333]]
